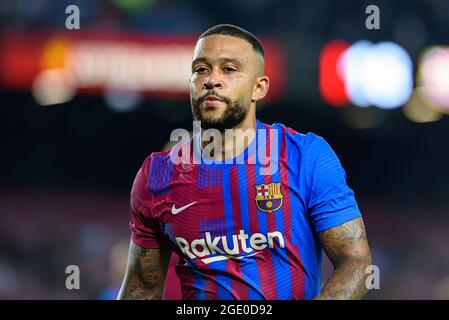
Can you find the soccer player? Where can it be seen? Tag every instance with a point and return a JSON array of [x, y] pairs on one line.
[[248, 229]]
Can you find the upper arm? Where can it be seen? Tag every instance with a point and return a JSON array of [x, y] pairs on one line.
[[346, 241], [148, 254], [145, 273], [330, 201]]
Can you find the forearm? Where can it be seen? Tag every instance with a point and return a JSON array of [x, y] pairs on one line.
[[135, 289], [347, 247], [145, 274], [348, 282]]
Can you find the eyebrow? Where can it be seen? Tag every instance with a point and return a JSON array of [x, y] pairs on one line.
[[224, 59]]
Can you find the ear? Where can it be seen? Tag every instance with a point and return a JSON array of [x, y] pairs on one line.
[[260, 88]]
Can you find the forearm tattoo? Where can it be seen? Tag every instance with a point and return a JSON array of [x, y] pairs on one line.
[[347, 247], [145, 274]]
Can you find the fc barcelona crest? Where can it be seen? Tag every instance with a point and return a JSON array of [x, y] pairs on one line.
[[268, 197]]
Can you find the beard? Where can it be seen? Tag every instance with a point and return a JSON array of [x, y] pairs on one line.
[[233, 115]]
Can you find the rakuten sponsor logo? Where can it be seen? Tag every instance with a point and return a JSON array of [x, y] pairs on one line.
[[204, 248]]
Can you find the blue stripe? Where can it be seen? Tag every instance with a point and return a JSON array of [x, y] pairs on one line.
[[161, 173], [158, 174], [168, 176], [155, 174], [227, 203], [224, 290], [164, 171], [167, 173], [280, 257], [170, 171], [150, 175], [225, 281], [259, 179], [199, 284], [249, 268]]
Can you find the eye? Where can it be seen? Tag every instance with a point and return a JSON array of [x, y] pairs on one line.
[[200, 69], [230, 69]]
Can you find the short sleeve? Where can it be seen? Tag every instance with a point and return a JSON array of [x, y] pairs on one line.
[[145, 230], [331, 202]]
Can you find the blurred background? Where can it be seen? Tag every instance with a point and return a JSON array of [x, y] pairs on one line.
[[81, 109]]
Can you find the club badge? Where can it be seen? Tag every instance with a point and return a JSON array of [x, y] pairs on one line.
[[269, 197]]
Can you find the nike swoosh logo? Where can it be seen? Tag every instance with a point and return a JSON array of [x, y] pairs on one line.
[[220, 258], [175, 211]]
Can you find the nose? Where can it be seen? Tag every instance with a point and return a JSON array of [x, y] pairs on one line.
[[213, 80]]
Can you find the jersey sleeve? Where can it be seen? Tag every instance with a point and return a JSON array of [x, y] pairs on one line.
[[331, 201], [145, 230]]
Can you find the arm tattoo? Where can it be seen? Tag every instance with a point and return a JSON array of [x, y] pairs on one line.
[[145, 274], [347, 247]]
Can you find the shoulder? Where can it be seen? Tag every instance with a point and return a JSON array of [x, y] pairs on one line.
[[154, 164], [298, 139], [147, 184]]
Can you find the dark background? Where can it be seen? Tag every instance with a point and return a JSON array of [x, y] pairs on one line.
[[66, 170]]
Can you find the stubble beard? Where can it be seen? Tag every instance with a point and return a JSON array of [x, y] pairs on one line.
[[233, 115]]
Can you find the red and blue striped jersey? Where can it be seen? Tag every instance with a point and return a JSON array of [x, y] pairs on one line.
[[245, 230]]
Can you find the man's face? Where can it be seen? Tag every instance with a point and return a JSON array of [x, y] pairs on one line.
[[224, 71]]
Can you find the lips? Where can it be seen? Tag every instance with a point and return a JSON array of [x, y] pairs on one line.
[[211, 101]]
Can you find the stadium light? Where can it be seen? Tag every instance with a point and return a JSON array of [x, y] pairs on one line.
[[377, 74], [332, 86], [433, 77]]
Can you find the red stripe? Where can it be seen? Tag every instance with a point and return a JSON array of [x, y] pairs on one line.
[[294, 257], [211, 287], [265, 274], [187, 279]]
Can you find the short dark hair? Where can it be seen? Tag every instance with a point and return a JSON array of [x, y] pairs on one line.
[[234, 31]]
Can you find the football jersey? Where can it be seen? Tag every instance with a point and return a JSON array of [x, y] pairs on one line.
[[244, 228]]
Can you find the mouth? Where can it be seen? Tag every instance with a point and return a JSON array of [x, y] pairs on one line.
[[211, 102]]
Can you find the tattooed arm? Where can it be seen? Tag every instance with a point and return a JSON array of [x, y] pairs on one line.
[[347, 247], [145, 274]]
